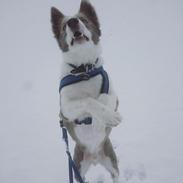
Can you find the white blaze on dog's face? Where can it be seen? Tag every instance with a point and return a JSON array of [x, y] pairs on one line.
[[76, 32], [72, 32]]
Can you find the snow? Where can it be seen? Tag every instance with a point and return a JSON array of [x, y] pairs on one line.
[[142, 48]]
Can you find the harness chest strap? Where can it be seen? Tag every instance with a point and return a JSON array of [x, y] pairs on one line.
[[72, 79]]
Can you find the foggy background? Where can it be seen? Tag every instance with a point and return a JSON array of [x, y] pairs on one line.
[[143, 52]]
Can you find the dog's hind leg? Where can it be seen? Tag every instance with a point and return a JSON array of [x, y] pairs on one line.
[[109, 160], [82, 162]]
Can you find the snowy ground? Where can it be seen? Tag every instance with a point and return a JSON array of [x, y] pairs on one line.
[[143, 49]]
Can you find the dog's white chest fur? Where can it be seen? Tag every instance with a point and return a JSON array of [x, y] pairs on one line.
[[91, 136]]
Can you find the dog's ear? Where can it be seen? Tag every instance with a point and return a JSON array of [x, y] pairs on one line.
[[88, 10], [56, 20]]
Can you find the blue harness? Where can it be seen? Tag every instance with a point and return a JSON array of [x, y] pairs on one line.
[[81, 74], [72, 79]]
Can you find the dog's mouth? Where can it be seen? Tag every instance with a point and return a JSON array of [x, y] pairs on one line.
[[79, 38]]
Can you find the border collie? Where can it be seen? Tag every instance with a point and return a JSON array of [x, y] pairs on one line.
[[79, 39]]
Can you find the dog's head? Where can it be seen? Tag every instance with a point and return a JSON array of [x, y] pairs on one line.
[[81, 29]]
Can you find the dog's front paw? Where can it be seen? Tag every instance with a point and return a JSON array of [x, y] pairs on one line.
[[113, 119]]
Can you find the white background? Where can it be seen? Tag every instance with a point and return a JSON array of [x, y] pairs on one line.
[[143, 52]]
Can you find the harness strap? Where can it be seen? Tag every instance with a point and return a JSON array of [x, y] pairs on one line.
[[72, 79]]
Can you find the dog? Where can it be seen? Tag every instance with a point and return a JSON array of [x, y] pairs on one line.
[[79, 39]]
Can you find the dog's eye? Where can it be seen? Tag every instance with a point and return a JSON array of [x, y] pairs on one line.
[[84, 20]]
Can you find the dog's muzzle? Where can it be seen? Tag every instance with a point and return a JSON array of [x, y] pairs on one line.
[[78, 35]]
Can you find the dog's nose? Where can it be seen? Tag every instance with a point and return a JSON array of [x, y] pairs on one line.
[[73, 22], [77, 34]]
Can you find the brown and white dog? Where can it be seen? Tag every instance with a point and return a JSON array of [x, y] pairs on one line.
[[79, 40]]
